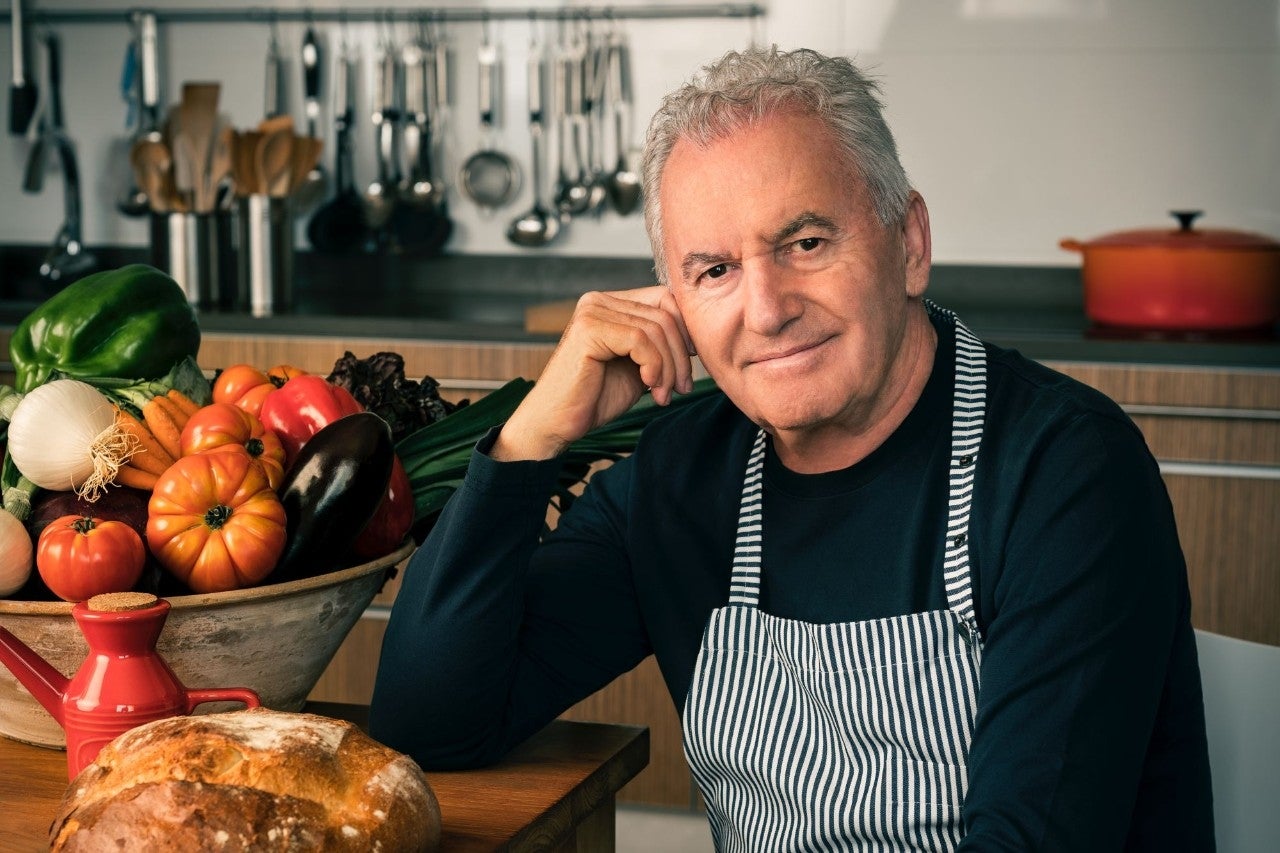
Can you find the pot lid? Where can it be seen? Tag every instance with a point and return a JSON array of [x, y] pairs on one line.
[[1185, 236]]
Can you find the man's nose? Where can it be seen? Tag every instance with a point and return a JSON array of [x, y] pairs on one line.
[[771, 299]]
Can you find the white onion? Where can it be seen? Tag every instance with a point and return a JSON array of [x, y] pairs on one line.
[[63, 436], [15, 554]]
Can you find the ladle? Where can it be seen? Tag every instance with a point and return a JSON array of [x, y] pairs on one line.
[[596, 181], [380, 195], [539, 226], [489, 177], [624, 184], [419, 223], [573, 194]]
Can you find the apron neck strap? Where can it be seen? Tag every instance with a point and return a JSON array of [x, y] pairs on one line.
[[744, 583]]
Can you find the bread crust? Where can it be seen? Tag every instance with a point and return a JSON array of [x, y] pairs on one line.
[[248, 780]]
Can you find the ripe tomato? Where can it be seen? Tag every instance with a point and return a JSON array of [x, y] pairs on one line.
[[391, 521], [79, 556], [219, 426], [246, 386], [215, 522]]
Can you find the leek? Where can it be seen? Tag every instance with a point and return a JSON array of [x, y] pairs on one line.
[[436, 456]]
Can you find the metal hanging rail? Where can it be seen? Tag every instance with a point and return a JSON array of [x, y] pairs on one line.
[[265, 15]]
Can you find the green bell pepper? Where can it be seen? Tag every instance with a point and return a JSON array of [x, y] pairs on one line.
[[133, 322]]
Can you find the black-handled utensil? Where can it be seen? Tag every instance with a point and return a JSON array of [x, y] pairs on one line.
[[22, 92], [311, 190], [338, 225]]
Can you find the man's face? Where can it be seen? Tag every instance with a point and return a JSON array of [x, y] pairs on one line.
[[794, 294]]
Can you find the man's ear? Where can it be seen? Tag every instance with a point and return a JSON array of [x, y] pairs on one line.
[[917, 245]]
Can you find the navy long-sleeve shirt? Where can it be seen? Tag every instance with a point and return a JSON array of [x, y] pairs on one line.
[[1090, 728]]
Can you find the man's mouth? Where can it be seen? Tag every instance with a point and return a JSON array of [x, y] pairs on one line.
[[786, 356]]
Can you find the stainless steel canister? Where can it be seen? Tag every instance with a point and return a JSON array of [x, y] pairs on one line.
[[195, 249], [265, 249]]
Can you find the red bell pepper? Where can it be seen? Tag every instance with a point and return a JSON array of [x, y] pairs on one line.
[[298, 410]]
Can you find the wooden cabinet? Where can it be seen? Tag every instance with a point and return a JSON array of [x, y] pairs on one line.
[[1216, 434]]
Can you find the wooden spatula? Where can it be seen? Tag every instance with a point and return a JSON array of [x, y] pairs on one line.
[[198, 117]]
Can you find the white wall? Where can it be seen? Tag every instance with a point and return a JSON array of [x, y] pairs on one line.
[[1021, 121]]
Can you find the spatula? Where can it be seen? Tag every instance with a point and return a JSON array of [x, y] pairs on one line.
[[198, 118]]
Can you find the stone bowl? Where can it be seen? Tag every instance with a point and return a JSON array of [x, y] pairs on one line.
[[275, 639]]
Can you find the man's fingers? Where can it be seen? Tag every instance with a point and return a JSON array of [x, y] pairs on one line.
[[646, 330]]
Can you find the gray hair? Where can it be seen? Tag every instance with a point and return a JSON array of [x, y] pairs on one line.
[[743, 87]]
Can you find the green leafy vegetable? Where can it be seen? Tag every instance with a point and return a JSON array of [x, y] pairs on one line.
[[436, 456], [379, 384], [185, 375]]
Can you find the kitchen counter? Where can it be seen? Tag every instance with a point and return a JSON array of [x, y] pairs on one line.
[[553, 792], [479, 299]]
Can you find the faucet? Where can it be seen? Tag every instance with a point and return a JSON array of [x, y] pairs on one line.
[[67, 257]]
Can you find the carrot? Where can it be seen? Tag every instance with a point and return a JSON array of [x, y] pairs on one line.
[[176, 412], [136, 478], [183, 401], [150, 455], [161, 424]]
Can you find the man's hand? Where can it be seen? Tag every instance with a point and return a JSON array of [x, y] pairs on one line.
[[616, 345]]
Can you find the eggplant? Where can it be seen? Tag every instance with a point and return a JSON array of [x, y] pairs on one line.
[[119, 503], [330, 491]]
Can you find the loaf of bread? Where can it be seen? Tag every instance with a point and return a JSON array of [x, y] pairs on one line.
[[248, 780]]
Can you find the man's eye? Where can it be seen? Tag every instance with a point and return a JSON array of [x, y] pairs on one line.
[[808, 244], [716, 271]]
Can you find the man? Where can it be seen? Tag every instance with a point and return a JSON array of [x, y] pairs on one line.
[[969, 621]]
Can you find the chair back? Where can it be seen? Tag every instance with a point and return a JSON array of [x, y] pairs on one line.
[[1242, 720]]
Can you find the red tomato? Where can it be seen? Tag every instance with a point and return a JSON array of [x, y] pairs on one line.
[[219, 426], [391, 521], [79, 556], [215, 522]]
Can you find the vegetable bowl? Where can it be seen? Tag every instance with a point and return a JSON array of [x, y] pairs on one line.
[[276, 639]]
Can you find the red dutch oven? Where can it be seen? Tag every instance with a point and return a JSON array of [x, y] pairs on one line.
[[1183, 278]]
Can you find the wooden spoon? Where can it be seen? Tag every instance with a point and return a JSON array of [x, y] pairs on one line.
[[274, 161], [152, 168], [220, 161], [248, 181]]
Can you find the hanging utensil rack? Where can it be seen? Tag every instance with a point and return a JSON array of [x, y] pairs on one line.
[[266, 15]]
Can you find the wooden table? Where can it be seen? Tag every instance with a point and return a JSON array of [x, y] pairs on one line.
[[555, 792]]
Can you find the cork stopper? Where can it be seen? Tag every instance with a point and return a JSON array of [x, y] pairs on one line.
[[120, 602]]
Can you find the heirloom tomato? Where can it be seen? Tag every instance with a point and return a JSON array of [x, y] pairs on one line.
[[219, 426], [215, 522], [79, 556], [246, 386]]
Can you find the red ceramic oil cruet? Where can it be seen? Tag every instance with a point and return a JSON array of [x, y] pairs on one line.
[[123, 682]]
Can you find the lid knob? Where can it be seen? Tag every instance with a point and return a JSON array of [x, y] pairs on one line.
[[1186, 218]]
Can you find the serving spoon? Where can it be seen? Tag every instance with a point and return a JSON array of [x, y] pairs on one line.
[[539, 226]]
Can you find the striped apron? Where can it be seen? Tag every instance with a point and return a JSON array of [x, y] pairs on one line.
[[846, 736]]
